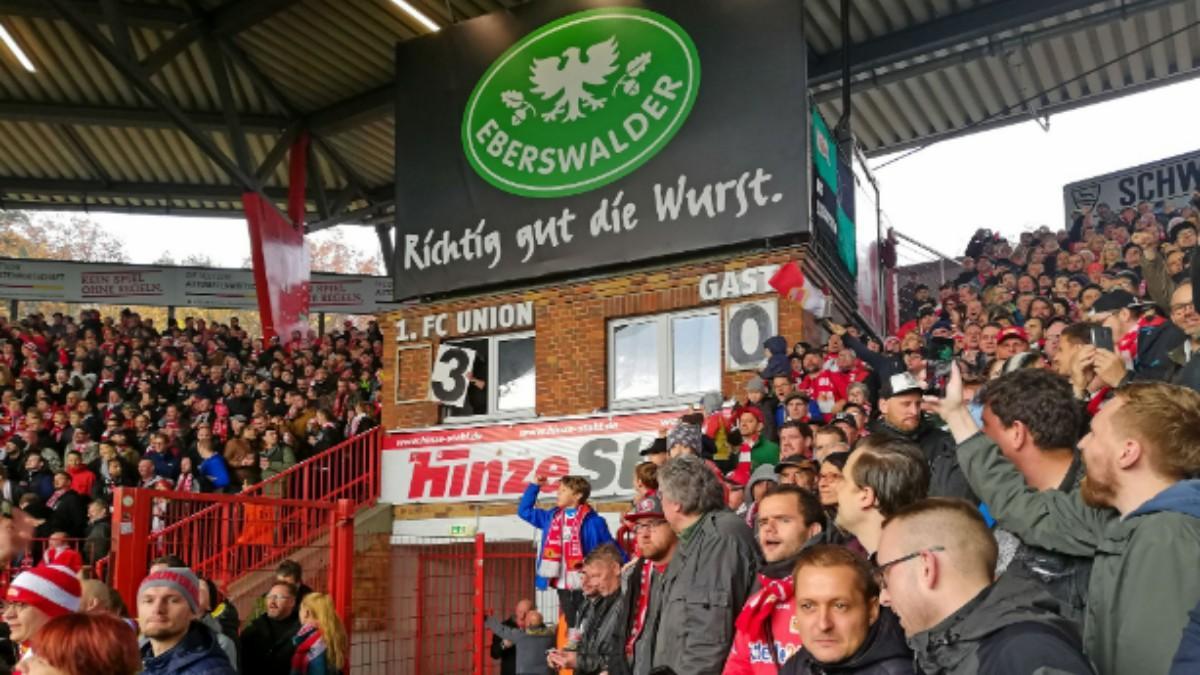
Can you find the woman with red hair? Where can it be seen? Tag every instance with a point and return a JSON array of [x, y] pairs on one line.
[[83, 644]]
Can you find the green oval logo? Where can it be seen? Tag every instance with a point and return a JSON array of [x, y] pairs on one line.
[[581, 102]]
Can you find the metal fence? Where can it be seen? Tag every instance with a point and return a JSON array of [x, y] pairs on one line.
[[428, 598]]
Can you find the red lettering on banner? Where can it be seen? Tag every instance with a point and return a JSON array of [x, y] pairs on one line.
[[494, 470], [520, 468], [554, 467], [432, 476], [457, 477]]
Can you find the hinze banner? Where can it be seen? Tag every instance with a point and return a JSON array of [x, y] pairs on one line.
[[496, 462], [557, 137], [157, 286]]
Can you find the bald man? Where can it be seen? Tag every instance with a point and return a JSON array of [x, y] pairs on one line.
[[505, 651], [935, 564]]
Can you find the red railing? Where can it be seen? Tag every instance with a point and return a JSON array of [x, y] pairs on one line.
[[437, 592], [227, 537], [349, 470]]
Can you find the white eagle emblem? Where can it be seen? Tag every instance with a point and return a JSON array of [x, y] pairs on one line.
[[566, 75]]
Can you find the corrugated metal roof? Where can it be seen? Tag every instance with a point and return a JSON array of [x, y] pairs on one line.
[[79, 134]]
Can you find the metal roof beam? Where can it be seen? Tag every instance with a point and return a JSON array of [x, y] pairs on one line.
[[114, 116], [132, 72], [1018, 115], [134, 13], [227, 21], [942, 33], [140, 190], [354, 111], [385, 246], [361, 215], [128, 189]]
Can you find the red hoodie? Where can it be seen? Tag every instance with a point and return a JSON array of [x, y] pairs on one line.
[[82, 479]]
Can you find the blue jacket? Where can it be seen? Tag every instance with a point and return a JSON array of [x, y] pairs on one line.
[[197, 654], [593, 532], [1187, 659], [216, 472]]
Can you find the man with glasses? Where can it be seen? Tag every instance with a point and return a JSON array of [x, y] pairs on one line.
[[936, 559], [657, 543], [1185, 365], [267, 645]]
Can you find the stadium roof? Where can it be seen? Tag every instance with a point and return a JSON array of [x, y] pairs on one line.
[[173, 106]]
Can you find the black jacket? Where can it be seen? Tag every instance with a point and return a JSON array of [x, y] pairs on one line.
[[70, 514], [946, 477], [602, 647], [507, 656], [883, 653], [267, 645], [1009, 628]]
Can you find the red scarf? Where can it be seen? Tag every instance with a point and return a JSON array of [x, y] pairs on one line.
[[757, 613], [311, 648], [649, 569], [55, 497], [562, 559]]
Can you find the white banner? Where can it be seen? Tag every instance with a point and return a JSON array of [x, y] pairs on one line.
[[1168, 182], [496, 462], [157, 286]]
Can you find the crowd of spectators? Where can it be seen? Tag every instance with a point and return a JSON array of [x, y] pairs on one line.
[[58, 624], [1005, 485], [91, 404]]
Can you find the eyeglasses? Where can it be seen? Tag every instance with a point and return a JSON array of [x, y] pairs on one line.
[[880, 571], [647, 525], [1182, 308]]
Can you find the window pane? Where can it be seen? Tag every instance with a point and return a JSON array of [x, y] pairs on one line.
[[516, 383], [635, 361], [697, 354], [476, 402]]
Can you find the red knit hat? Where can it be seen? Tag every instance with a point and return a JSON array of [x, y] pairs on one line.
[[54, 589]]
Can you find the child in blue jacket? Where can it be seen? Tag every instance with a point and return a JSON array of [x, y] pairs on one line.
[[570, 531]]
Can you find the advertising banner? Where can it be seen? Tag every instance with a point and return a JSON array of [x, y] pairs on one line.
[[156, 286], [1166, 184], [496, 462], [556, 137]]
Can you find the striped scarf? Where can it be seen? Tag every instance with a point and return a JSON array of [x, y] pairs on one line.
[[309, 657]]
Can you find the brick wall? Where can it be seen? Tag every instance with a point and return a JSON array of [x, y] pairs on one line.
[[570, 322]]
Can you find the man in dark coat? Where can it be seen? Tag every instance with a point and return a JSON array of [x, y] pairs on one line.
[[936, 563], [901, 417], [601, 647], [267, 645], [68, 507], [716, 553]]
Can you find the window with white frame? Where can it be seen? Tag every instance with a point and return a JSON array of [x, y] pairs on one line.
[[664, 358], [502, 380]]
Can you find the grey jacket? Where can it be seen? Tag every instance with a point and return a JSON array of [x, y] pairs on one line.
[[1009, 628], [702, 592], [531, 645]]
